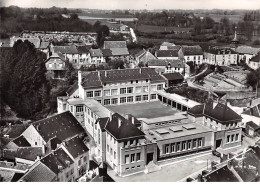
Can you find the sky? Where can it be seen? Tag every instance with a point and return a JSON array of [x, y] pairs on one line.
[[137, 4]]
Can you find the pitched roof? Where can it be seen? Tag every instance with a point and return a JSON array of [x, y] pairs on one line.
[[72, 89], [76, 147], [247, 50], [140, 53], [44, 45], [55, 58], [96, 53], [192, 50], [162, 62], [83, 49], [21, 141], [253, 125], [29, 153], [173, 76], [221, 113], [62, 126], [167, 53], [65, 49], [55, 159], [124, 131], [222, 174], [102, 122], [119, 51], [196, 111], [16, 130], [114, 44], [167, 44], [253, 111], [256, 58], [39, 173], [106, 52], [97, 78], [220, 51]]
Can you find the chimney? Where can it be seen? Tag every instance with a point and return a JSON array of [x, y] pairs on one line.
[[133, 120], [105, 73], [98, 74], [67, 162], [79, 78], [119, 122], [140, 70], [60, 167]]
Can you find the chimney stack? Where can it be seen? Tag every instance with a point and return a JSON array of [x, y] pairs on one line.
[[79, 78]]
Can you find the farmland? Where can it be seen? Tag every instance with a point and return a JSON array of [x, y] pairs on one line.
[[152, 29], [217, 17]]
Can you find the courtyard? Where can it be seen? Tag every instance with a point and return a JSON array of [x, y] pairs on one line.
[[144, 110]]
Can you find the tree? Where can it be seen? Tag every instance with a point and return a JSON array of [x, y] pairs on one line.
[[253, 78], [74, 16]]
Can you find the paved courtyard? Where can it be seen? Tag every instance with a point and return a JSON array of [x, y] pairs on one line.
[[144, 110]]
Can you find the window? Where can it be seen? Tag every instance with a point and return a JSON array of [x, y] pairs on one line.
[[89, 93], [173, 147], [35, 143], [111, 151], [138, 89], [228, 139], [114, 91], [126, 159], [79, 162], [232, 138], [106, 92], [107, 148], [71, 108], [132, 158], [123, 100], [153, 87], [200, 143], [189, 144], [130, 99], [153, 96], [194, 143], [138, 166], [97, 93], [85, 159], [125, 143], [178, 147], [138, 98], [184, 145], [136, 81], [167, 149], [138, 156], [79, 108], [92, 114], [67, 174], [88, 112], [114, 101], [145, 88], [99, 101], [131, 142], [99, 136], [130, 90], [114, 155], [122, 90], [159, 87], [50, 65], [107, 102], [145, 97], [126, 169], [237, 137]]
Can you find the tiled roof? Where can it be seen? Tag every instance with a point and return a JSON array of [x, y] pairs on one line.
[[140, 53], [114, 44], [161, 62], [62, 126], [124, 131], [55, 58], [21, 141], [192, 50], [76, 147], [167, 53], [65, 49], [29, 153], [83, 49], [247, 50], [106, 52], [253, 125], [220, 51], [102, 122], [44, 45], [55, 159], [119, 51], [97, 78], [221, 112], [196, 111], [253, 111], [72, 89], [96, 53], [256, 58], [173, 76], [39, 173], [16, 130], [222, 174]]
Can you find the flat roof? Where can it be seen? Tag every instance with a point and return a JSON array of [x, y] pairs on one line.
[[180, 130], [148, 110], [179, 99]]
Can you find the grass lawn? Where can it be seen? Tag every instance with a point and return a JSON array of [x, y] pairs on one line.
[[144, 110], [151, 28]]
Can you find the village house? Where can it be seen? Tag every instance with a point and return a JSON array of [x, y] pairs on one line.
[[97, 57], [70, 52], [246, 53], [143, 56], [254, 62], [167, 66], [173, 79], [192, 54], [167, 54], [252, 114], [220, 56], [167, 46], [55, 66], [116, 50]]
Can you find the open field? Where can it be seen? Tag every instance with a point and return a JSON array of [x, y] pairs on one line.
[[217, 17], [104, 15], [144, 110], [151, 28]]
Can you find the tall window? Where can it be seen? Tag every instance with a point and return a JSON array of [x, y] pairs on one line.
[[127, 159], [122, 90], [130, 99], [194, 143], [130, 90], [123, 100], [232, 138], [89, 93], [237, 137], [107, 102], [114, 91], [167, 148], [79, 108], [184, 145], [189, 144], [173, 147], [159, 87], [132, 158], [97, 93], [138, 156], [114, 101], [114, 155], [178, 146], [153, 96], [145, 97], [228, 139], [200, 142], [107, 148]]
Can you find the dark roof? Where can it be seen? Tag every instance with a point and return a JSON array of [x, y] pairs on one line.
[[173, 76], [247, 165], [55, 159], [221, 113], [44, 45], [140, 53], [222, 174], [114, 44], [253, 111], [54, 142], [62, 126], [196, 111], [16, 177], [220, 51], [39, 173], [72, 89], [16, 130], [92, 165], [256, 58], [76, 147], [29, 153], [119, 51], [105, 178], [167, 53], [247, 50], [106, 52], [125, 131], [192, 50], [97, 78], [102, 122], [161, 62], [83, 49], [96, 53], [253, 125], [65, 49], [21, 141]]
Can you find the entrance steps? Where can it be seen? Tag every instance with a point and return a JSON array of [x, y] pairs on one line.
[[151, 167]]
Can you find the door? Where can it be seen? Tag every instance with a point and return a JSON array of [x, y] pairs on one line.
[[149, 157], [218, 143]]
